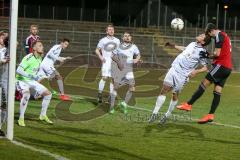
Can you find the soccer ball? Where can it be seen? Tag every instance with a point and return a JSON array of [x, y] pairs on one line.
[[177, 24]]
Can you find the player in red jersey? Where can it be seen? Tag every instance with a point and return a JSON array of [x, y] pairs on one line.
[[31, 38], [220, 71]]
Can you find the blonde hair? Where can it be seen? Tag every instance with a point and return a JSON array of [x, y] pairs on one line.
[[33, 25]]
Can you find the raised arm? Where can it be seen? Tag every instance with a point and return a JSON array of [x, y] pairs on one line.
[[171, 45]]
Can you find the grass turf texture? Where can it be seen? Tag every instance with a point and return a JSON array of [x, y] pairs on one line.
[[130, 137]]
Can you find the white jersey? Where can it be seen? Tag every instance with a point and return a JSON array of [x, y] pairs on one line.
[[107, 45], [3, 54], [52, 55], [189, 59], [126, 54], [4, 71]]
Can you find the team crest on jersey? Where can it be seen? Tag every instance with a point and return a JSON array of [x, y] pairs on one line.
[[110, 46], [124, 47]]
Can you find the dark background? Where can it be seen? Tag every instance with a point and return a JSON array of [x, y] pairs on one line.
[[120, 10]]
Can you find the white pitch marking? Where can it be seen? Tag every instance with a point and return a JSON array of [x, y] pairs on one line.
[[55, 156]]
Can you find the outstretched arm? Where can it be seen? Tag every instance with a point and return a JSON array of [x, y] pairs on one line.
[[197, 71], [171, 45]]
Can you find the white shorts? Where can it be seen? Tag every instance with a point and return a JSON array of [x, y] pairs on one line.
[[47, 71], [23, 86], [106, 68], [175, 80]]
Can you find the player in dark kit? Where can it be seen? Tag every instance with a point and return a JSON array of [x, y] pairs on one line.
[[220, 71], [31, 38]]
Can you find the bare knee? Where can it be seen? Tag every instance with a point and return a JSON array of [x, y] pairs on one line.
[[174, 96], [46, 93], [218, 89], [59, 77], [165, 89], [131, 89], [206, 82]]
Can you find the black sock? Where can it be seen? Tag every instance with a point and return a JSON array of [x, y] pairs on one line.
[[215, 102], [197, 94]]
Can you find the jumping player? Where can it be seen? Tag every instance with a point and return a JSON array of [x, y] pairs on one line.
[[220, 71], [183, 67]]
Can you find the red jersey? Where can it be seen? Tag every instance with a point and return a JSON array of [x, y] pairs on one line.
[[29, 41], [223, 41]]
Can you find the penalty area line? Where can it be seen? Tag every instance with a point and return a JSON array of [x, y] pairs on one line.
[[45, 152]]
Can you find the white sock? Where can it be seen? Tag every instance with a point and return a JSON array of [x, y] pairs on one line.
[[24, 103], [171, 107], [45, 104], [101, 85], [0, 118], [60, 86], [113, 96], [3, 116], [128, 96], [111, 87], [160, 100]]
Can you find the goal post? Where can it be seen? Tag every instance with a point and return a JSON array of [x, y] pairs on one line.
[[12, 67]]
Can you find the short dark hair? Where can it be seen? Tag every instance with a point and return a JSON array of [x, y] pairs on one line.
[[1, 34], [65, 40], [207, 40], [210, 27], [126, 32], [6, 42], [110, 25]]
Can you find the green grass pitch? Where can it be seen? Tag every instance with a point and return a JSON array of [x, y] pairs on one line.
[[84, 130]]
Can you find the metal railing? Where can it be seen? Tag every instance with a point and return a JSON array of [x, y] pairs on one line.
[[151, 46]]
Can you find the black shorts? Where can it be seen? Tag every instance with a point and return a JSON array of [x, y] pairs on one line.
[[218, 74]]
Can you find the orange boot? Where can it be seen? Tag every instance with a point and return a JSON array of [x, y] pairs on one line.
[[185, 106], [207, 118]]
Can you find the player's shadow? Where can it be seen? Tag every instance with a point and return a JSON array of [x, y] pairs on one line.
[[78, 143], [62, 111], [83, 131], [183, 131], [178, 129]]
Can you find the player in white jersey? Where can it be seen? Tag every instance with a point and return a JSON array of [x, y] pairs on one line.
[[104, 51], [47, 66], [129, 54], [183, 67], [4, 60]]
